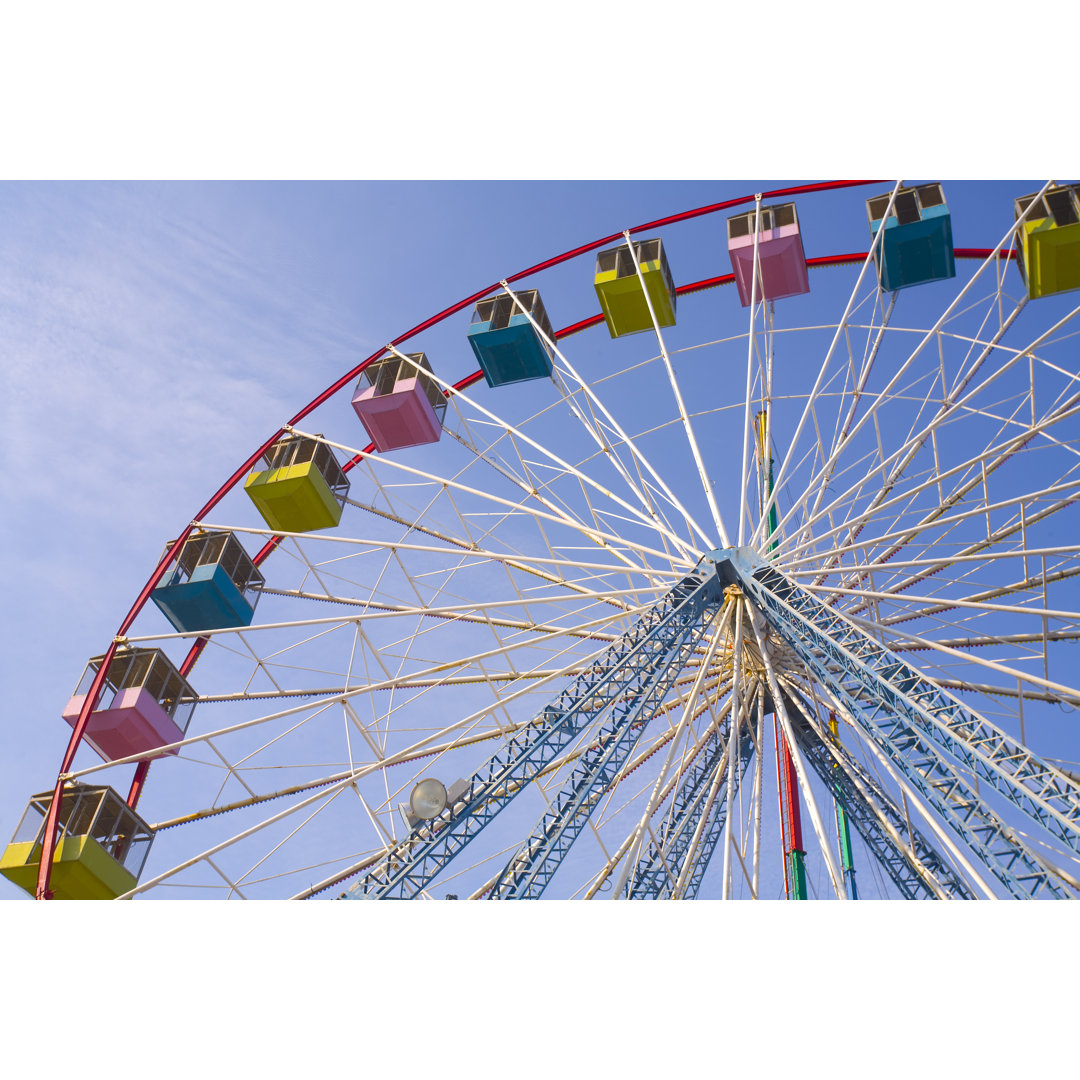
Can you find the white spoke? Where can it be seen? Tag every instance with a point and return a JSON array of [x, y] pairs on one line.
[[643, 518], [687, 426], [682, 729], [800, 768], [617, 428], [739, 694], [609, 541], [808, 408], [930, 334]]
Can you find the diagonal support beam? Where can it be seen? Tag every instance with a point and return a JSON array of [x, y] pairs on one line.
[[914, 866], [655, 874], [531, 869], [930, 736], [628, 680]]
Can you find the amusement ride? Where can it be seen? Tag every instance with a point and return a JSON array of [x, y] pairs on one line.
[[621, 580]]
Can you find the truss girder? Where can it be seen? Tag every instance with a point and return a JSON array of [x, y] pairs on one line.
[[626, 679], [920, 728], [659, 867], [638, 691], [930, 737], [659, 863], [903, 853], [715, 820]]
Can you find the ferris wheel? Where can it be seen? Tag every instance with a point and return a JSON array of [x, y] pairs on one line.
[[760, 582]]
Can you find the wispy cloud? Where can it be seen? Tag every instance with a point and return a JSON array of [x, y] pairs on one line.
[[146, 347], [136, 357]]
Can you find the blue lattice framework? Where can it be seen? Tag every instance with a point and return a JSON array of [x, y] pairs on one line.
[[659, 867], [626, 683], [927, 734], [531, 869], [901, 850]]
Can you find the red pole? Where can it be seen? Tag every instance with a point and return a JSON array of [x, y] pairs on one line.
[[790, 818]]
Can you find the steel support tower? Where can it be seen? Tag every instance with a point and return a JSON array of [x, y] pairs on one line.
[[934, 742]]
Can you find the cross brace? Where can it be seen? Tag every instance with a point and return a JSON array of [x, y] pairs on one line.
[[905, 855], [923, 730], [624, 685], [929, 736], [530, 871], [659, 867]]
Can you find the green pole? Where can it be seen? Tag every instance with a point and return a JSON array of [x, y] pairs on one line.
[[847, 859]]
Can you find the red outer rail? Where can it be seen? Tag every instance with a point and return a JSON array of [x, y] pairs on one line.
[[727, 279], [264, 553], [49, 838]]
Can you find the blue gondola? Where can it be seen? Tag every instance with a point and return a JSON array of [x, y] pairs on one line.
[[505, 342], [214, 584], [916, 243]]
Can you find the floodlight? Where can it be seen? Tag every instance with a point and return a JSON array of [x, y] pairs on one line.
[[428, 799]]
